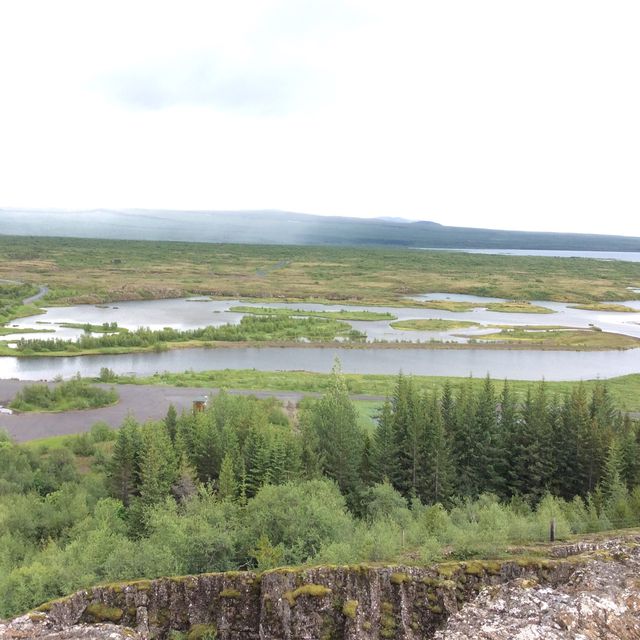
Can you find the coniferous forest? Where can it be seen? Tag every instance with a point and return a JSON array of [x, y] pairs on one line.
[[245, 484]]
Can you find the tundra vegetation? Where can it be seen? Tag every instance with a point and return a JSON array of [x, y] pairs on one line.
[[458, 472], [98, 271]]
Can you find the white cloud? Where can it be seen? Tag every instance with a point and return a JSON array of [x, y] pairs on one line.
[[496, 113]]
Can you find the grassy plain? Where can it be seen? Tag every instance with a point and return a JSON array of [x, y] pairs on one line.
[[98, 271], [625, 389]]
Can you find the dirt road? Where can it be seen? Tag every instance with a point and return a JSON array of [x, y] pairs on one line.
[[142, 402]]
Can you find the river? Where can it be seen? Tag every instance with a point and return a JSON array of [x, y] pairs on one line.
[[513, 364], [191, 313]]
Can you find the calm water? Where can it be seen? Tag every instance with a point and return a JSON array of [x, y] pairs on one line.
[[625, 256], [187, 314], [190, 314], [520, 365]]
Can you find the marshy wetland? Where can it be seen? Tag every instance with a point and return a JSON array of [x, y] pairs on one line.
[[146, 307]]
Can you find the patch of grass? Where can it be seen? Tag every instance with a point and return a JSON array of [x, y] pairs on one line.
[[511, 306], [336, 315], [625, 390], [604, 306], [579, 339], [456, 306], [517, 306], [435, 324]]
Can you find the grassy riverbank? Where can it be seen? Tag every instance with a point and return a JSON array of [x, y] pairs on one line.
[[604, 306], [97, 271], [562, 339], [625, 389], [553, 341]]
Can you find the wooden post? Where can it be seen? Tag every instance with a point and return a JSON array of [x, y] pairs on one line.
[[552, 530]]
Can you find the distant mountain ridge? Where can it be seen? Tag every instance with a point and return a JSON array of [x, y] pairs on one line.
[[282, 227]]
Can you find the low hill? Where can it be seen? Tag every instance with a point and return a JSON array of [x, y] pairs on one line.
[[280, 227]]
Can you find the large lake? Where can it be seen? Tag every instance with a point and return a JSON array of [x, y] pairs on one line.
[[625, 256]]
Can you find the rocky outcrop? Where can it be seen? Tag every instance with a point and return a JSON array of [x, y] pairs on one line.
[[363, 602], [601, 600]]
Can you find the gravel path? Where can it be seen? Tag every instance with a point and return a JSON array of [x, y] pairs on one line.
[[142, 402], [41, 294]]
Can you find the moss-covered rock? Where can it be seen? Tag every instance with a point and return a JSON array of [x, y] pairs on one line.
[[320, 603]]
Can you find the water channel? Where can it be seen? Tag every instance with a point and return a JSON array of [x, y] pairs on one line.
[[198, 312]]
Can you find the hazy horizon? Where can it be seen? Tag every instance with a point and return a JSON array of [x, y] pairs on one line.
[[490, 115]]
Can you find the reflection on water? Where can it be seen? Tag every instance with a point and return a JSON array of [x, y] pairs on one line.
[[189, 314], [517, 365], [193, 313]]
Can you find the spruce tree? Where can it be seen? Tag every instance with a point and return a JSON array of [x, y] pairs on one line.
[[489, 445], [227, 483], [383, 454], [436, 470], [171, 422], [333, 420], [158, 465], [408, 433], [465, 444], [124, 469]]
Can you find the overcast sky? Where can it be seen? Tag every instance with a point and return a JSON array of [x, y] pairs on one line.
[[495, 113]]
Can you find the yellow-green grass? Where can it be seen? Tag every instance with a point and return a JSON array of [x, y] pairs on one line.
[[432, 324], [604, 306], [98, 271], [532, 327], [578, 339], [517, 306], [336, 315], [624, 389], [514, 306]]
